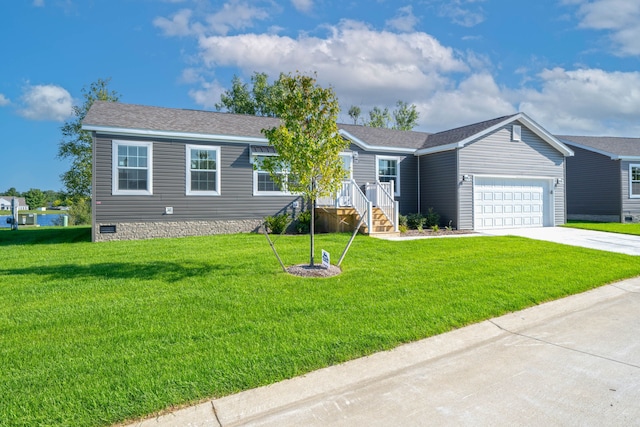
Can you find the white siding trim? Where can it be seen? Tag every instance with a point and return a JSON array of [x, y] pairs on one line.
[[631, 195]]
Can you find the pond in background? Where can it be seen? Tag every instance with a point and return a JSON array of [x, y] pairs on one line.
[[44, 220]]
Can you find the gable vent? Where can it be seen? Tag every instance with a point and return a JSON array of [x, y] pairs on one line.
[[516, 133]]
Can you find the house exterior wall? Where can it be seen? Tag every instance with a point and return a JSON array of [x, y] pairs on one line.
[[364, 171], [594, 186], [439, 185], [497, 155], [236, 205], [630, 205]]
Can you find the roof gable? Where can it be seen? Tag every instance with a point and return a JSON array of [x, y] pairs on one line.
[[460, 137]]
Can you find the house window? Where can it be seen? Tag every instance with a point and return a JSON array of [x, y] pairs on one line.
[[347, 164], [132, 168], [263, 183], [388, 169], [634, 181], [203, 170]]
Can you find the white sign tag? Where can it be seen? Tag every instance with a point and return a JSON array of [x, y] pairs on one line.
[[326, 260]]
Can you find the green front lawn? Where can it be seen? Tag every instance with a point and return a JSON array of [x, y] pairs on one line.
[[611, 227], [97, 333]]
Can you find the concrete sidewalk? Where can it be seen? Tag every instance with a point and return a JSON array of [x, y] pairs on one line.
[[574, 361]]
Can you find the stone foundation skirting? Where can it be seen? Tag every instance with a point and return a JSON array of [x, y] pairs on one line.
[[154, 230], [595, 218]]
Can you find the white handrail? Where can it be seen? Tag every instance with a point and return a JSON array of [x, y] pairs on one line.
[[350, 195], [386, 202]]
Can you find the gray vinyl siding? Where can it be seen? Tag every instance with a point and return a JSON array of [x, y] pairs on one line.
[[364, 171], [630, 206], [496, 155], [236, 199], [594, 184], [439, 185]]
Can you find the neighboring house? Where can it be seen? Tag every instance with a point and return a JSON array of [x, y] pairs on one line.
[[603, 179], [162, 172], [5, 203]]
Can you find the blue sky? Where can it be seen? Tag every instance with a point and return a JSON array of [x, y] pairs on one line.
[[572, 65]]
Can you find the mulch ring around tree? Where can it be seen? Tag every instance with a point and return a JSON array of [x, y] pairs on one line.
[[305, 270]]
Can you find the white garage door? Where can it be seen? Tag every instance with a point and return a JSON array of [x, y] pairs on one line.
[[510, 202]]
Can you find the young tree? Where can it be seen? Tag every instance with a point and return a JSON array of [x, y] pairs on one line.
[[379, 118], [307, 142], [405, 116], [76, 144]]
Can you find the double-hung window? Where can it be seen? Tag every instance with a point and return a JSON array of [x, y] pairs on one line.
[[634, 181], [132, 171], [203, 170], [263, 183], [388, 170]]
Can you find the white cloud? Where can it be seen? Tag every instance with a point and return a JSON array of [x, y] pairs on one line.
[[355, 59], [178, 25], [404, 21], [208, 94], [304, 6], [462, 13], [585, 101], [475, 99], [619, 17], [46, 102], [4, 100], [38, 3]]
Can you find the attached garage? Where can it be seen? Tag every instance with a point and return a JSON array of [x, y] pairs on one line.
[[501, 202]]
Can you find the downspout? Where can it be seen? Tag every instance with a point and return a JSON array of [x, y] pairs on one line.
[[419, 193]]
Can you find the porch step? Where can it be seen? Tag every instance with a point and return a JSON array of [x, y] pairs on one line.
[[380, 223]]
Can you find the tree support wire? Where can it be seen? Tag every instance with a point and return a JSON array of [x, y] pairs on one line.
[[264, 229], [353, 236]]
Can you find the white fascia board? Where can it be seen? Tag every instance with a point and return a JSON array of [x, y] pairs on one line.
[[439, 149], [172, 134], [542, 133], [360, 143], [628, 158], [612, 156]]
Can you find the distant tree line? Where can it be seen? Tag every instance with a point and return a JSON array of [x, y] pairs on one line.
[[37, 198]]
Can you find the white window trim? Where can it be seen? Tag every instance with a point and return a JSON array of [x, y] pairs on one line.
[[350, 156], [114, 168], [189, 191], [631, 195], [255, 178], [397, 159]]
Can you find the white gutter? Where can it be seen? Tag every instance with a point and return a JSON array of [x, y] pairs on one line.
[[368, 147], [175, 134]]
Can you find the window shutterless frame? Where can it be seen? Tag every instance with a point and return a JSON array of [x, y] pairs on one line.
[[634, 181], [387, 169], [202, 170], [132, 168]]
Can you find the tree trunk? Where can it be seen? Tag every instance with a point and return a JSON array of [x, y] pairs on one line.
[[312, 231]]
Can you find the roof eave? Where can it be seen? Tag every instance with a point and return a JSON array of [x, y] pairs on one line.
[[438, 149], [612, 156], [175, 134], [367, 147]]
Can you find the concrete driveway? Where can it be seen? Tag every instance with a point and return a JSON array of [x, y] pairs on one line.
[[570, 362], [613, 242]]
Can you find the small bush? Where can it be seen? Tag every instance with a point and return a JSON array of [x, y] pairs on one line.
[[403, 228], [402, 221], [277, 224], [432, 218], [303, 222], [435, 227], [415, 221]]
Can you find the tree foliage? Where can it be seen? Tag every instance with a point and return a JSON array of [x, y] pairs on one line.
[[12, 192], [403, 117], [76, 144], [257, 100], [307, 141], [35, 198]]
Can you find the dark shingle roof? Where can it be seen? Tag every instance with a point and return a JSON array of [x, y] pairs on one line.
[[460, 134], [383, 137], [129, 116], [609, 144]]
